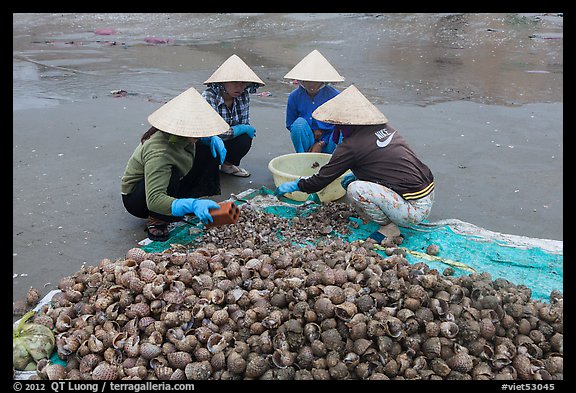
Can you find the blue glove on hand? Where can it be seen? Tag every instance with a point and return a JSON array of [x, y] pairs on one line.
[[346, 180], [199, 207], [240, 129], [289, 186], [216, 147]]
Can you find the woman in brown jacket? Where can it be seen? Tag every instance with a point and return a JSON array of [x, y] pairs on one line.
[[389, 183]]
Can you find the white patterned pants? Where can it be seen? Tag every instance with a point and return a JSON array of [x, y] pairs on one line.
[[383, 205]]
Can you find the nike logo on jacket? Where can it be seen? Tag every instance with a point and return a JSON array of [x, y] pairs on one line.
[[384, 134]]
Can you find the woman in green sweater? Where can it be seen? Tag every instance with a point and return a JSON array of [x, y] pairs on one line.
[[157, 183]]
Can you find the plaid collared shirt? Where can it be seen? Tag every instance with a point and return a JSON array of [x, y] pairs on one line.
[[238, 114]]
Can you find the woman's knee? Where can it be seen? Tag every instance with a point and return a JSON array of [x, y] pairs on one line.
[[301, 135], [243, 141], [300, 126], [135, 205], [354, 190], [237, 148]]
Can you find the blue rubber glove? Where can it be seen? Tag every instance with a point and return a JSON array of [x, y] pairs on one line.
[[216, 147], [346, 180], [199, 207], [240, 129], [289, 186]]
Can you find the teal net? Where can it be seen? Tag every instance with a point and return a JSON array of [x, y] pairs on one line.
[[534, 263]]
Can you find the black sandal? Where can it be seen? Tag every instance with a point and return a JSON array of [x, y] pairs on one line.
[[158, 232]]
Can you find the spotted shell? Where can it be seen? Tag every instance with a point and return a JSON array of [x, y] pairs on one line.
[[139, 372], [179, 359], [522, 365], [200, 370], [432, 347], [461, 362], [173, 297], [32, 296], [132, 346], [324, 308], [147, 275], [137, 254], [256, 367], [54, 371], [361, 345], [449, 329], [178, 258], [220, 317], [218, 362], [136, 284], [332, 339], [89, 361], [148, 264], [432, 249], [178, 375], [43, 319], [105, 371], [198, 262], [201, 353], [487, 328], [103, 301], [554, 364], [66, 282], [149, 350], [163, 372], [440, 367], [138, 310]]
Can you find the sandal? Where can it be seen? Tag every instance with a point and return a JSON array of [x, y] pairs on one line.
[[388, 230], [157, 232], [234, 170], [377, 236]]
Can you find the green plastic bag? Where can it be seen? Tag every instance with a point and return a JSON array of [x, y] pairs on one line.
[[30, 343]]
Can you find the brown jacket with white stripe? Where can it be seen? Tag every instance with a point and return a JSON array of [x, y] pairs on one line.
[[377, 154]]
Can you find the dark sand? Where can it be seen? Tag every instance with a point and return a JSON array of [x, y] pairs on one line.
[[479, 98]]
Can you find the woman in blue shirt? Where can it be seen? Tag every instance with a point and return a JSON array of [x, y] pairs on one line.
[[313, 74]]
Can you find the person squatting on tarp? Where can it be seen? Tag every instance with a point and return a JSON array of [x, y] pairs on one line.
[[159, 181], [228, 92], [388, 183], [313, 74]]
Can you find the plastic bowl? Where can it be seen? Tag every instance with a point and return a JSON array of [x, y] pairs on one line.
[[293, 166]]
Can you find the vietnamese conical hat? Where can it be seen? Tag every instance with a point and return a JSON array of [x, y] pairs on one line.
[[234, 70], [350, 107], [190, 115], [315, 68]]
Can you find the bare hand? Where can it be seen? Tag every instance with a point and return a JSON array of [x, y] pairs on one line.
[[316, 148]]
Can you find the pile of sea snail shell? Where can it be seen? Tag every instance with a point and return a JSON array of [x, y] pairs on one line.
[[244, 304]]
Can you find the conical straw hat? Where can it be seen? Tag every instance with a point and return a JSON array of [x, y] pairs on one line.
[[234, 70], [349, 107], [315, 68], [190, 115]]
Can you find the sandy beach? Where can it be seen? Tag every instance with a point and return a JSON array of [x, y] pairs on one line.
[[478, 96]]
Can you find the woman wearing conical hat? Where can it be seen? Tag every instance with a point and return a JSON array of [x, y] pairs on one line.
[[228, 93], [313, 73], [389, 183], [159, 181]]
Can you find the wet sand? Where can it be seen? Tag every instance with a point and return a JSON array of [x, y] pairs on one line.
[[490, 127]]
